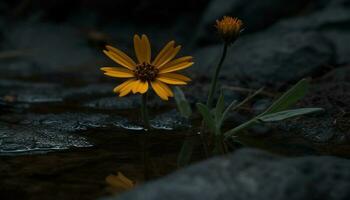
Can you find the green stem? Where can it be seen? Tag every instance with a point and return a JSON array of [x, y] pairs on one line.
[[147, 126], [241, 127], [215, 77], [145, 156], [144, 112], [204, 135]]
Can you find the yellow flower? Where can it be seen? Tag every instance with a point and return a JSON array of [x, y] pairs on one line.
[[119, 182], [145, 73], [229, 28]]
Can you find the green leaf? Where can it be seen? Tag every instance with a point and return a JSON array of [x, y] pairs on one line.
[[182, 103], [282, 115], [241, 127], [289, 98], [227, 110], [220, 106], [207, 116], [186, 151]]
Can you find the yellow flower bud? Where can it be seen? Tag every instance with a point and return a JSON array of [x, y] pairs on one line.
[[229, 28]]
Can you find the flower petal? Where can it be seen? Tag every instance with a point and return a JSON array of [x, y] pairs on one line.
[[159, 90], [147, 48], [166, 89], [175, 67], [118, 72], [120, 59], [174, 79], [177, 61], [135, 88], [168, 56], [125, 57], [142, 49], [143, 87], [121, 86], [166, 49], [127, 89]]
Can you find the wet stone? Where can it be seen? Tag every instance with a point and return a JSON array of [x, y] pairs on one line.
[[113, 103], [310, 129], [332, 126], [44, 132], [170, 120], [16, 139], [69, 122], [252, 174]]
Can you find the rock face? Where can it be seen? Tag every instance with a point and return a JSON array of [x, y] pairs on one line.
[[252, 174], [332, 94], [270, 57], [332, 22]]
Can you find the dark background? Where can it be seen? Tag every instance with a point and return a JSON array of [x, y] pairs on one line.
[[54, 97], [62, 36]]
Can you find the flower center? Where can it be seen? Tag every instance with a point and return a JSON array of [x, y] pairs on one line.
[[146, 72]]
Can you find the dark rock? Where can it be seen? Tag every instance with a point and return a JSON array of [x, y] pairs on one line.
[[67, 122], [28, 138], [252, 174], [332, 22], [341, 74], [45, 132], [319, 4], [40, 49], [171, 120], [319, 129], [113, 103], [29, 92], [269, 58], [332, 126]]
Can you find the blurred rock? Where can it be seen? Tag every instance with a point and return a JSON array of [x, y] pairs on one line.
[[171, 120], [46, 132], [270, 58], [29, 138], [332, 126], [252, 174], [319, 4], [29, 92], [331, 22], [45, 48]]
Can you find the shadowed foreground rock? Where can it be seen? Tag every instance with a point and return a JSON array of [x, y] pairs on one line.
[[253, 174]]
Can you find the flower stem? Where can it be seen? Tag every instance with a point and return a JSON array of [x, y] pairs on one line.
[[204, 134], [241, 127], [144, 112], [145, 156], [147, 126], [215, 77]]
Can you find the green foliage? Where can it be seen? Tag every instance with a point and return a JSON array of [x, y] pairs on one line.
[[207, 116], [214, 118], [283, 115], [277, 111], [182, 104], [186, 151], [185, 110], [289, 98], [220, 106]]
